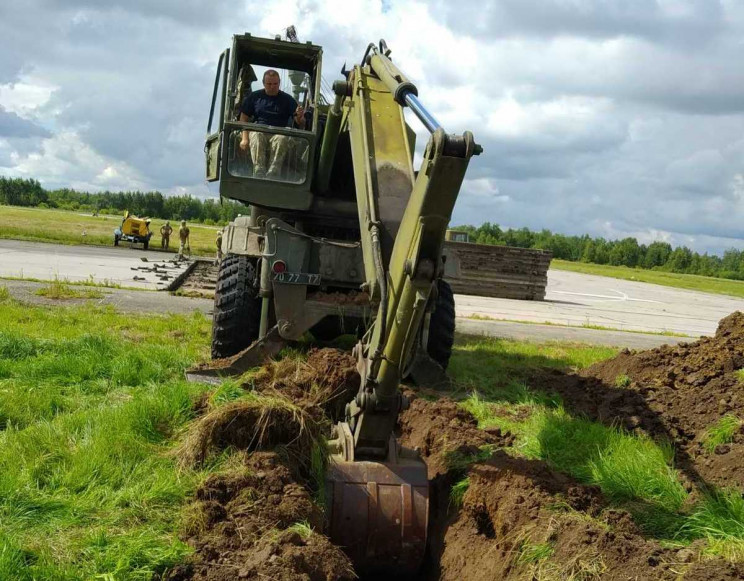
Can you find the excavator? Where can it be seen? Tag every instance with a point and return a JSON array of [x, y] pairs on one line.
[[342, 236]]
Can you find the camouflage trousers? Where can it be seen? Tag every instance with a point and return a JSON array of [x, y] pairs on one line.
[[268, 152]]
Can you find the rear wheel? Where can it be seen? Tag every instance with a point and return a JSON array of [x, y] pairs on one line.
[[116, 241], [442, 325], [145, 244], [237, 306]]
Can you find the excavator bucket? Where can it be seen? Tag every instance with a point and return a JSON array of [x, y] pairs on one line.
[[378, 513]]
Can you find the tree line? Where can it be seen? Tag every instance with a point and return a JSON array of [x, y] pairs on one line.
[[625, 252], [29, 192]]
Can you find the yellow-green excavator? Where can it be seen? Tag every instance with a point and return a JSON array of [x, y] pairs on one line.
[[342, 235]]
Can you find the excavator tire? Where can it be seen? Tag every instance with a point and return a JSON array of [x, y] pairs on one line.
[[442, 325], [237, 307]]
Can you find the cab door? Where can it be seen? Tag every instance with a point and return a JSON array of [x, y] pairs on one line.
[[213, 144]]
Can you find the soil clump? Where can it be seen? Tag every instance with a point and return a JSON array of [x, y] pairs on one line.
[[244, 525]]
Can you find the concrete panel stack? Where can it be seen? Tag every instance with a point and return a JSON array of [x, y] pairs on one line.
[[496, 271]]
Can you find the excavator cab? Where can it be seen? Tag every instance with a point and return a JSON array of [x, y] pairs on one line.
[[239, 71]]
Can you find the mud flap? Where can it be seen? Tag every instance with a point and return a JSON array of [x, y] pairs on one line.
[[378, 512]]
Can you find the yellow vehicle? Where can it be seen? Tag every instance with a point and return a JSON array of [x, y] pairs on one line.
[[133, 229]]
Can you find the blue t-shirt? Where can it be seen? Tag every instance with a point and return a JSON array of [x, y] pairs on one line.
[[276, 110]]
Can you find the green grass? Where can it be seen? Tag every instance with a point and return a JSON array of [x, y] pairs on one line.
[[486, 364], [722, 432], [457, 492], [622, 380], [530, 553], [685, 281], [64, 227], [90, 402], [61, 290]]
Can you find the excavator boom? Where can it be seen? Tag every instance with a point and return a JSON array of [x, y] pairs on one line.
[[379, 490]]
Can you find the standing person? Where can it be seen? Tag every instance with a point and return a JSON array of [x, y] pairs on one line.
[[165, 232], [183, 235], [269, 106], [219, 247]]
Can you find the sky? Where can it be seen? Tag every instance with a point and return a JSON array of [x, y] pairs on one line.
[[608, 118]]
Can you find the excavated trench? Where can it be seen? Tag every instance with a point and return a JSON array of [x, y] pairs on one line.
[[243, 523]]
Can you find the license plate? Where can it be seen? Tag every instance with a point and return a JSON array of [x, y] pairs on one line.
[[297, 278]]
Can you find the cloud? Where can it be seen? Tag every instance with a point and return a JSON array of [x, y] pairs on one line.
[[600, 117], [11, 125]]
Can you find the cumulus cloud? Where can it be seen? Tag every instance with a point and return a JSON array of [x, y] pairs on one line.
[[608, 118]]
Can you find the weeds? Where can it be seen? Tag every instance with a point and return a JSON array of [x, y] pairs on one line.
[[622, 380], [303, 529], [722, 432], [86, 416], [58, 290], [457, 492], [529, 553]]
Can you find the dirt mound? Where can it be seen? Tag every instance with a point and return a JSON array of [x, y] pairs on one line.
[[327, 377], [256, 522], [672, 392]]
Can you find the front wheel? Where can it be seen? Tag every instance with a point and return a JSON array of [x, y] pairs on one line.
[[441, 334], [237, 307], [145, 244], [116, 241]]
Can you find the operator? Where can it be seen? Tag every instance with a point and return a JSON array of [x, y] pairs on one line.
[[183, 235], [165, 232], [273, 107]]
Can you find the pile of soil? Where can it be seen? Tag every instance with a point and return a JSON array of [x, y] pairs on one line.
[[674, 393], [241, 527], [242, 521]]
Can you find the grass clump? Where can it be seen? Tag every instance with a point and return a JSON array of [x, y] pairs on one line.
[[531, 553], [722, 432], [720, 515], [303, 529], [457, 492], [622, 380], [60, 290]]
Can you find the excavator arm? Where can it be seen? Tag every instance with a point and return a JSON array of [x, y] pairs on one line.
[[378, 491]]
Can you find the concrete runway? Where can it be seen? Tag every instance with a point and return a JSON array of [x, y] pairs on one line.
[[581, 299], [572, 299], [84, 263]]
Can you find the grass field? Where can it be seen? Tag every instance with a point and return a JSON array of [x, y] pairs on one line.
[[62, 227], [93, 404], [90, 401], [694, 282]]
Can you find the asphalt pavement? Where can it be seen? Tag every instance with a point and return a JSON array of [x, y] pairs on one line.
[[573, 301]]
